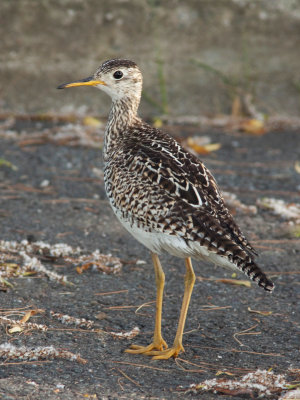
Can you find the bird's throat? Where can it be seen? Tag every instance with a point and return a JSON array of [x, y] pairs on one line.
[[122, 115]]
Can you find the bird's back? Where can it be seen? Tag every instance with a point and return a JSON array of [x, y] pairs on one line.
[[170, 202]]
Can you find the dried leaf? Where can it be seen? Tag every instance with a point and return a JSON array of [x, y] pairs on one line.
[[92, 121], [224, 373], [29, 273], [254, 127], [265, 313], [295, 231], [193, 143], [198, 387], [297, 166], [8, 164], [157, 123], [6, 283], [84, 267], [296, 385], [212, 147], [236, 108], [15, 329], [101, 315], [126, 335], [235, 282], [26, 316]]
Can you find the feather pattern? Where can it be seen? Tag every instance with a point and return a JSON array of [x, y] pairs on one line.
[[158, 187], [163, 195]]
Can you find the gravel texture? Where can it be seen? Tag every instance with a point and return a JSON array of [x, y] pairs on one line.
[[72, 208]]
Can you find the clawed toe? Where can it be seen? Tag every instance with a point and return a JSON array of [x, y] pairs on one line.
[[166, 354], [158, 351], [155, 346]]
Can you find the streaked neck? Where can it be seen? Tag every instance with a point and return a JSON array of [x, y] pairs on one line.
[[122, 114]]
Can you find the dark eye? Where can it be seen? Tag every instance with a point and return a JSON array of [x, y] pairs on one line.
[[118, 75]]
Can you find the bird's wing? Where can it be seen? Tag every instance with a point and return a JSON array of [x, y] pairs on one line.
[[182, 176]]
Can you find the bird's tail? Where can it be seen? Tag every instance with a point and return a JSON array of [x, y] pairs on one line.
[[250, 268]]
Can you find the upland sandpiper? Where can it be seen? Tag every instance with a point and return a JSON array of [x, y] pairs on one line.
[[164, 196]]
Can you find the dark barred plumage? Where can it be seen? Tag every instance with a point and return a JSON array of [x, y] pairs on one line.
[[110, 65], [164, 196], [161, 187]]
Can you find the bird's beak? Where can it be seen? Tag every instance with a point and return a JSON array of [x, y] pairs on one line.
[[90, 81]]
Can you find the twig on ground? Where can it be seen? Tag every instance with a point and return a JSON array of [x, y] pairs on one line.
[[33, 264], [232, 350], [10, 352], [287, 210], [127, 377], [19, 326], [265, 313], [245, 332], [28, 255], [140, 365], [69, 320], [113, 292], [212, 366], [263, 383], [126, 335], [144, 305]]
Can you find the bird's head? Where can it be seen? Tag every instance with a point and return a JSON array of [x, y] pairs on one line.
[[118, 78]]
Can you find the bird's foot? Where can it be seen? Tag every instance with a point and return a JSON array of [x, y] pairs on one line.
[[167, 353], [156, 345]]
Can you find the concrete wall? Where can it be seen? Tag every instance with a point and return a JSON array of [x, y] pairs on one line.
[[255, 45]]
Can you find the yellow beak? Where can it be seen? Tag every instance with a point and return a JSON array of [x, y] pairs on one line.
[[90, 81]]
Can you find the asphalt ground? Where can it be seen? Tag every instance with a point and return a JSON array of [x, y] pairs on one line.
[[54, 193]]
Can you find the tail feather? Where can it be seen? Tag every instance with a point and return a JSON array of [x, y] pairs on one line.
[[227, 242], [251, 269]]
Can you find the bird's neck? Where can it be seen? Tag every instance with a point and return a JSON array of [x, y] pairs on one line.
[[122, 115]]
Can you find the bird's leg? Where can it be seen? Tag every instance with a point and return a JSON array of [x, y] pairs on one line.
[[177, 347], [158, 342]]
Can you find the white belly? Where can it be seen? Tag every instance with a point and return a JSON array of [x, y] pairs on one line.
[[158, 242]]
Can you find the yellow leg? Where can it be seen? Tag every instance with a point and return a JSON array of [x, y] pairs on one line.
[[158, 342], [177, 347]]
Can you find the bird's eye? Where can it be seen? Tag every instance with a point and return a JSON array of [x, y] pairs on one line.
[[118, 75]]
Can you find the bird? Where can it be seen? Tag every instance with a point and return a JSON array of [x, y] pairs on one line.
[[165, 197]]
